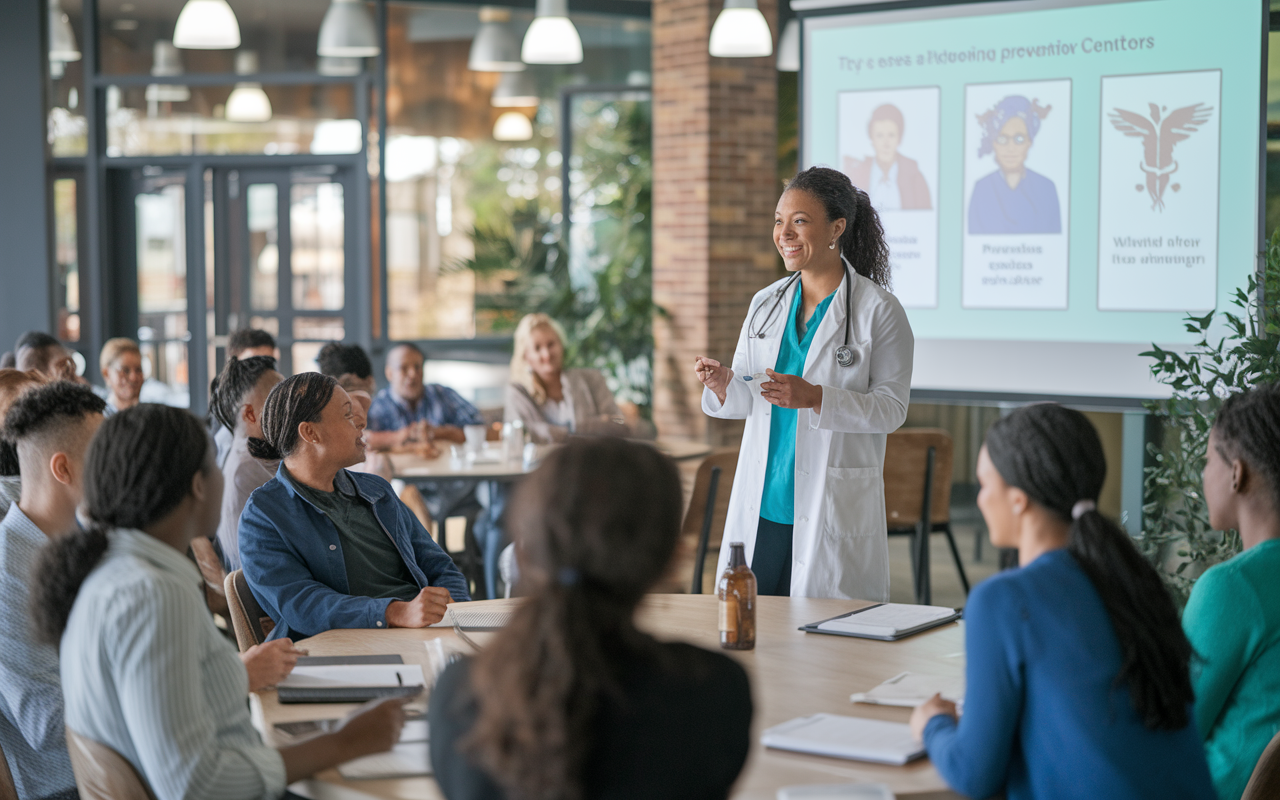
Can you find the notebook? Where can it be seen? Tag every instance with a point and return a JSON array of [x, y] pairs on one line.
[[329, 661], [910, 689], [887, 622], [853, 738], [405, 760], [837, 791], [350, 683], [475, 619]]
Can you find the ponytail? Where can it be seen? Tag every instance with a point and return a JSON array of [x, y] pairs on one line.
[[862, 244], [1054, 455], [61, 569], [295, 400]]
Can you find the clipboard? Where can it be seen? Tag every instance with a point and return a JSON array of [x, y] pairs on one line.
[[939, 620]]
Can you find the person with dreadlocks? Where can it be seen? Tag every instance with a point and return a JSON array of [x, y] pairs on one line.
[[238, 399], [1077, 671], [324, 547], [1233, 615], [144, 670]]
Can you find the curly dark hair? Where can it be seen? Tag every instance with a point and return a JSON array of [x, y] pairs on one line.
[[337, 359], [597, 526], [295, 400], [1248, 428], [49, 408], [1055, 456], [139, 467], [862, 242], [238, 378], [247, 338]]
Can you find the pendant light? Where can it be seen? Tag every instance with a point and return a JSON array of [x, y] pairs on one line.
[[62, 40], [247, 103], [166, 62], [512, 126], [552, 39], [334, 65], [207, 25], [514, 89], [789, 47], [348, 31], [740, 32], [495, 48]]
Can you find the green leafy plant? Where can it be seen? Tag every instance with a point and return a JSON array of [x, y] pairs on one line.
[[1176, 533]]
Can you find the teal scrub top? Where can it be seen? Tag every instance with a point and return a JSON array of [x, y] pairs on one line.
[[778, 503]]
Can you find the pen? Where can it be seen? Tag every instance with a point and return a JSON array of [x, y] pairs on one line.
[[399, 678]]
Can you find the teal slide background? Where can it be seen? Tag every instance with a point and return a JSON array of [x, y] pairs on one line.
[[1189, 35]]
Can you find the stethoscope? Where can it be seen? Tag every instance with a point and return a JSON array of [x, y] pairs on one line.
[[845, 355]]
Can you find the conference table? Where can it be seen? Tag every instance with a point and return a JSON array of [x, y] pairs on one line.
[[792, 674], [491, 466]]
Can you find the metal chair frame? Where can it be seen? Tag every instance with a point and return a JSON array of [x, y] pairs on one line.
[[919, 533]]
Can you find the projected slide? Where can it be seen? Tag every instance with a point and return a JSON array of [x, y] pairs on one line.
[[889, 149], [1158, 192], [1017, 172], [1061, 182]]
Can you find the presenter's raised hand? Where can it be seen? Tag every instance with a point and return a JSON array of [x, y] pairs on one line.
[[426, 609], [714, 375], [791, 391]]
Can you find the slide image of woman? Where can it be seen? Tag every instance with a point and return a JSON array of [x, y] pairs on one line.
[[1013, 199], [893, 181]]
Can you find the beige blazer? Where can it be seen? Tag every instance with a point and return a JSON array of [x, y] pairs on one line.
[[587, 393]]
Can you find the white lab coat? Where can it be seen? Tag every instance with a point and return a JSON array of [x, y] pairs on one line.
[[840, 542]]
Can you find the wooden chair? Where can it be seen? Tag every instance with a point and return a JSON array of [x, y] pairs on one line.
[[917, 498], [1264, 784], [251, 624], [7, 790], [102, 773], [704, 521], [213, 573]]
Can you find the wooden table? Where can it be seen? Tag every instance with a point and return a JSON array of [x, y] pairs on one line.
[[792, 674], [414, 467]]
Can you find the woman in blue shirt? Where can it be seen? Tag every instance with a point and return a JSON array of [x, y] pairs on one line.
[[1078, 671]]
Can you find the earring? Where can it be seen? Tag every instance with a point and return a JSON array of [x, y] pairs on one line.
[[831, 246]]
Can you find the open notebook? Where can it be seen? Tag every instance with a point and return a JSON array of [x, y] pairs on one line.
[[350, 683], [885, 621], [475, 619]]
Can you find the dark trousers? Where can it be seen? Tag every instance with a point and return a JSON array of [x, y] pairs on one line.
[[771, 560]]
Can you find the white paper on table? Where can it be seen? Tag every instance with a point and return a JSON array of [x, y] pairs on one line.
[[338, 676], [475, 619], [888, 619], [910, 689], [837, 791], [415, 730], [405, 760], [846, 737]]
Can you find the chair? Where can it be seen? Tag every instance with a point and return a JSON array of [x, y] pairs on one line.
[[7, 790], [102, 773], [917, 498], [1264, 784], [251, 624], [214, 575], [708, 508]]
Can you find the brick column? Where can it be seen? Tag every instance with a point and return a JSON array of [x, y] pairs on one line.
[[714, 190]]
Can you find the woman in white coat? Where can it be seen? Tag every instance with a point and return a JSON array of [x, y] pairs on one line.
[[822, 374]]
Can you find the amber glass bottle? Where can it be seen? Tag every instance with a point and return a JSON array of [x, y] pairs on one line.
[[737, 592]]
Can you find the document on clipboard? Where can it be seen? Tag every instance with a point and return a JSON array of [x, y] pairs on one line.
[[887, 622]]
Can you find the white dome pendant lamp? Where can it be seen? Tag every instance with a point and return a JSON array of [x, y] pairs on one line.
[[741, 32], [551, 39], [62, 40], [247, 103], [512, 126], [496, 47], [207, 25], [348, 31], [789, 47]]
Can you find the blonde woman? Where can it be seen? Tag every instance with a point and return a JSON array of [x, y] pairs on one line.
[[121, 363], [550, 400]]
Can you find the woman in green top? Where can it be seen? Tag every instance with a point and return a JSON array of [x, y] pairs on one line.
[[1233, 616]]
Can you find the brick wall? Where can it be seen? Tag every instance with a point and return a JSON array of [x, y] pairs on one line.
[[715, 186]]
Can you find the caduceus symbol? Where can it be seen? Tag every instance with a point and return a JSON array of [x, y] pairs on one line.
[[1158, 138]]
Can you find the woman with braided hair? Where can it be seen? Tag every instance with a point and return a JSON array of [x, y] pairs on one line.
[[1078, 677], [1233, 615], [821, 374]]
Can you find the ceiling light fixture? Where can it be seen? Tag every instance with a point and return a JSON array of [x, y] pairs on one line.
[[512, 126], [334, 65], [552, 39], [496, 47], [348, 31], [166, 62], [514, 89], [740, 32], [789, 47], [248, 103], [62, 40], [207, 25]]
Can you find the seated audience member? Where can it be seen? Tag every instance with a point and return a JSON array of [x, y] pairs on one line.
[[1078, 674], [121, 365], [12, 384], [349, 365], [1233, 615], [40, 352], [408, 410], [326, 548], [242, 344], [237, 403], [144, 670], [550, 400], [51, 427], [571, 699]]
